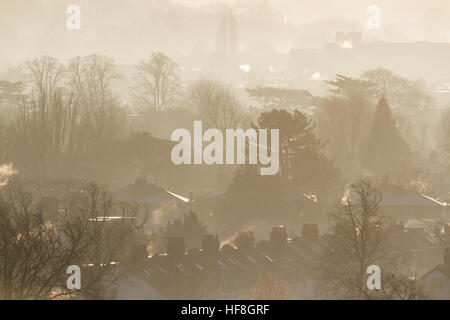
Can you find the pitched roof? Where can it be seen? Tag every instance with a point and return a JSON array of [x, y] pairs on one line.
[[243, 265], [146, 193], [410, 238], [410, 198], [441, 268]]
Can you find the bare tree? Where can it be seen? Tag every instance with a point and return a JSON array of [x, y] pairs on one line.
[[356, 242], [44, 132], [110, 235], [397, 287], [157, 82], [89, 78], [217, 104], [46, 74], [219, 108], [35, 252], [59, 132], [10, 92]]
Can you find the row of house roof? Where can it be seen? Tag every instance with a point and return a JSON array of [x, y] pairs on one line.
[[142, 192], [230, 272]]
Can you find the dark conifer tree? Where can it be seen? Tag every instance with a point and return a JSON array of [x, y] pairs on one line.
[[386, 151]]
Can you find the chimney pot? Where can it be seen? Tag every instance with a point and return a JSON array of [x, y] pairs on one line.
[[176, 248], [211, 244], [278, 236]]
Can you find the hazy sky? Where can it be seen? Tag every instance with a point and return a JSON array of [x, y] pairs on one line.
[[128, 30], [307, 10]]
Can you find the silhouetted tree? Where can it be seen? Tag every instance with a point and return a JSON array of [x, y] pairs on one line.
[[252, 195], [60, 132], [216, 104], [150, 155], [397, 287], [43, 135], [112, 231], [35, 252], [386, 151], [218, 107], [157, 82], [301, 158], [358, 241], [46, 75], [352, 89], [343, 121], [412, 106], [89, 79], [11, 92], [355, 243]]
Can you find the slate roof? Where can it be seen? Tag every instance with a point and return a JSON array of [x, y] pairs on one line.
[[410, 198], [240, 267], [146, 193], [410, 238]]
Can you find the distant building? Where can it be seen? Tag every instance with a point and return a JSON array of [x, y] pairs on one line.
[[227, 42], [420, 250], [349, 54], [142, 192], [406, 204], [161, 203], [231, 273], [436, 283], [132, 285]]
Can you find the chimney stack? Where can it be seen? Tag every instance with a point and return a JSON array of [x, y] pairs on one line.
[[210, 244], [278, 236], [176, 248]]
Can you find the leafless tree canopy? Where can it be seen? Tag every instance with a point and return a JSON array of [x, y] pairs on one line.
[[157, 82], [217, 104], [36, 250], [358, 241]]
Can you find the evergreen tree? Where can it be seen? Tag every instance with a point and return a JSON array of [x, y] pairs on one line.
[[343, 120], [302, 161], [253, 195], [386, 151]]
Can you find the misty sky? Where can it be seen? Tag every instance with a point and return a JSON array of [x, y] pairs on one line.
[[128, 30]]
